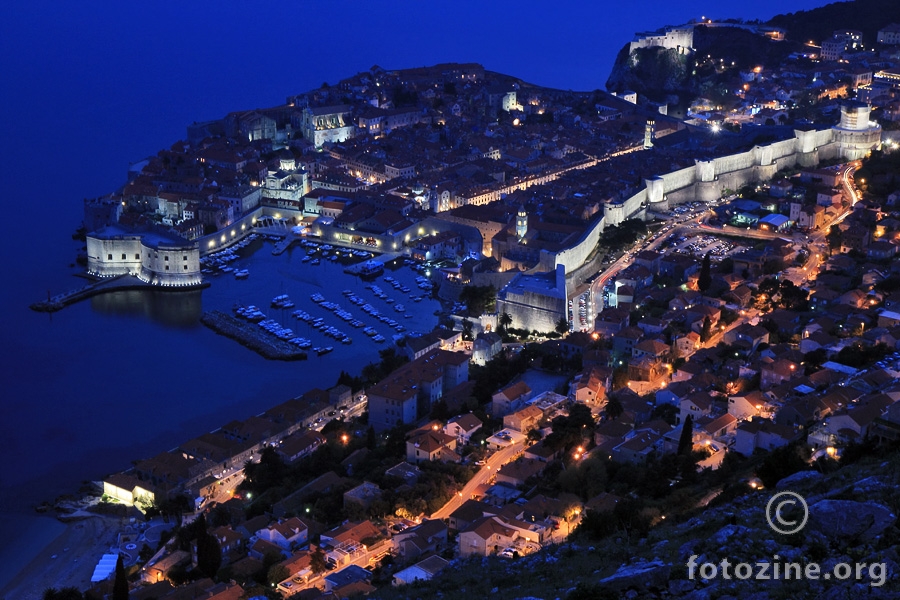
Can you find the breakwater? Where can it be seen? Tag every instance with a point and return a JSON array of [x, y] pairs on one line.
[[101, 286], [251, 336]]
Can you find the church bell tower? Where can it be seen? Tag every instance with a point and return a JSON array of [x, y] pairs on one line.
[[521, 223]]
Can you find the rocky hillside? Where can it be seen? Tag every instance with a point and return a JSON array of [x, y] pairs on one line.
[[720, 53], [851, 519]]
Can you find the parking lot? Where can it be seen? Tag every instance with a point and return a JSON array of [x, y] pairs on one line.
[[718, 248]]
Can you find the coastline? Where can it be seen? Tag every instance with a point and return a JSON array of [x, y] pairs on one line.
[[49, 553]]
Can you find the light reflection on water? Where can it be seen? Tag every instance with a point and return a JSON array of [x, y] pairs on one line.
[[172, 309], [129, 374]]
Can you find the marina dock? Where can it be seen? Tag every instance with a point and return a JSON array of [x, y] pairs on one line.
[[251, 336], [282, 245], [382, 258]]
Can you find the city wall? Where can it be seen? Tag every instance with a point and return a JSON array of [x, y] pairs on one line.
[[706, 181], [231, 234]]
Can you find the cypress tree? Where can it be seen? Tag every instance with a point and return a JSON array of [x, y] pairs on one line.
[[209, 553], [705, 278], [120, 585], [706, 332], [685, 442]]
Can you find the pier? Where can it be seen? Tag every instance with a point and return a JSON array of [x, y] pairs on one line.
[[282, 245], [102, 286], [251, 336], [385, 258]]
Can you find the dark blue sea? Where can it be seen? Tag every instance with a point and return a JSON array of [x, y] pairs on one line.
[[88, 88]]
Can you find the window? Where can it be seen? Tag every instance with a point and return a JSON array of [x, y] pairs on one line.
[[185, 257], [123, 256], [185, 267], [137, 256], [167, 267], [109, 257], [167, 259]]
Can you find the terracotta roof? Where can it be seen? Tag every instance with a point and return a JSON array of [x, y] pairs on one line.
[[466, 422], [431, 441], [516, 390], [488, 526], [720, 423]]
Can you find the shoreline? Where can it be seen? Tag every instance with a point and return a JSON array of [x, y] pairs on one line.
[[67, 559]]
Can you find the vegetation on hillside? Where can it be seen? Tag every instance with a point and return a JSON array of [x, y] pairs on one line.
[[819, 24]]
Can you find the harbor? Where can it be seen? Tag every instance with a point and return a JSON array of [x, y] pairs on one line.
[[308, 299]]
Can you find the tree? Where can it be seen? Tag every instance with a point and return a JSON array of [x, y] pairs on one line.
[[505, 320], [705, 278], [317, 562], [440, 411], [706, 331], [835, 238], [478, 299], [209, 555], [619, 378], [685, 442], [782, 462], [614, 408], [562, 326], [277, 573], [120, 585], [467, 330]]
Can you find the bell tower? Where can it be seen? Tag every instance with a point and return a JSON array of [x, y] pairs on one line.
[[521, 223]]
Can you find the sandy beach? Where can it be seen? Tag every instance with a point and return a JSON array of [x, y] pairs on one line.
[[68, 560]]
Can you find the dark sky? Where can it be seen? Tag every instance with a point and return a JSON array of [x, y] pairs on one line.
[[135, 73]]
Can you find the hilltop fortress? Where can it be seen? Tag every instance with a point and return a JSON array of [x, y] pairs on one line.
[[680, 39]]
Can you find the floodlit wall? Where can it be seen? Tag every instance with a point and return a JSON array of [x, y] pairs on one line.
[[171, 265], [119, 255]]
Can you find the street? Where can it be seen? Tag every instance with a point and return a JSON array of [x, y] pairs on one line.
[[497, 460]]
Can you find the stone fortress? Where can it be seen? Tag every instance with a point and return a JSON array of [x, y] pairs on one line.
[[151, 257], [680, 39]]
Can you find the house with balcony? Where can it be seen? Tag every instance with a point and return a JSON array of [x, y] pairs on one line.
[[462, 427], [431, 445]]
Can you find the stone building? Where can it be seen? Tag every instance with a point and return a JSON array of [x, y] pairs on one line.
[[535, 301], [152, 257], [326, 124]]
